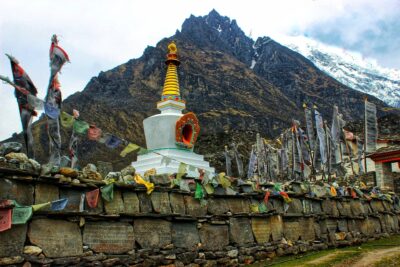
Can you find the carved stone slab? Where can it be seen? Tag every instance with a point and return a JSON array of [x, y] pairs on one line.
[[185, 235], [131, 203], [109, 237], [261, 229], [330, 207], [238, 205], [331, 225], [307, 206], [160, 202], [342, 225], [292, 230], [193, 207], [57, 238], [177, 203], [151, 233], [295, 207], [356, 207], [277, 203], [307, 229], [145, 203], [377, 205], [276, 227], [12, 241], [214, 237], [115, 206], [344, 208], [316, 206], [16, 190], [46, 193], [240, 231], [217, 206]]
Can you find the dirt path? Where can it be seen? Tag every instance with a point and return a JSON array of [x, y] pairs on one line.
[[326, 258], [369, 258]]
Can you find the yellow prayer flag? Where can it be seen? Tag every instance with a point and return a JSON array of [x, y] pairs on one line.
[[149, 186], [66, 120], [333, 191], [37, 207], [128, 149], [181, 170]]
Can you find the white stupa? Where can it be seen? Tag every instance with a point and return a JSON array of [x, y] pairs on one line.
[[171, 134]]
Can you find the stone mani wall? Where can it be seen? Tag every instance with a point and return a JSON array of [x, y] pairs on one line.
[[171, 227]]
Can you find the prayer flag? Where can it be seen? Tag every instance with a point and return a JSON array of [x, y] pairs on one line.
[[112, 141], [262, 207], [223, 180], [333, 191], [371, 127], [149, 186], [199, 193], [319, 124], [107, 192], [310, 128], [5, 219], [94, 133], [348, 135], [130, 148], [183, 185], [254, 208], [209, 189], [59, 204], [252, 162], [52, 111], [266, 196], [67, 121], [92, 198], [37, 207], [6, 203], [80, 126], [58, 57], [20, 215], [35, 103], [82, 203], [181, 170], [285, 197]]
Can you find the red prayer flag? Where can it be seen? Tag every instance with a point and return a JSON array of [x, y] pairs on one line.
[[266, 197], [6, 203], [92, 198], [353, 193], [5, 219], [94, 133]]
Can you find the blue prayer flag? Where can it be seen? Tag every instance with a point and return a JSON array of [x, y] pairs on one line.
[[59, 204]]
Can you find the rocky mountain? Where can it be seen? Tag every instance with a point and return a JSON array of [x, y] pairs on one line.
[[236, 86], [350, 69]]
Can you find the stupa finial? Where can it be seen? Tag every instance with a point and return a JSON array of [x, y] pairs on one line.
[[171, 84]]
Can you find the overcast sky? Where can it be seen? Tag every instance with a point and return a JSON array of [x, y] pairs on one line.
[[99, 35]]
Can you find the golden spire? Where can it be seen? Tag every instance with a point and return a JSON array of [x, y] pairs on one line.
[[171, 84]]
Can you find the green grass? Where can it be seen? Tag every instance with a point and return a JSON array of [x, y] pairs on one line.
[[391, 261], [349, 254]]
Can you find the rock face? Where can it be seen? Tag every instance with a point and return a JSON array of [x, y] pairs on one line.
[[235, 85]]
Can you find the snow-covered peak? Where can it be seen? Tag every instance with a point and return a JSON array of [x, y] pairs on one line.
[[350, 68]]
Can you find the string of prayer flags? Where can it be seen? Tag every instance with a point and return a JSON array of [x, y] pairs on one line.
[[80, 126], [285, 197], [181, 170], [112, 141], [149, 186], [92, 198], [51, 111], [107, 192], [59, 204], [21, 214], [94, 133], [199, 193], [5, 219], [130, 148], [67, 121], [37, 207]]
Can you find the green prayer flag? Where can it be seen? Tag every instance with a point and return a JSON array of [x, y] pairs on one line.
[[21, 215], [262, 207], [277, 187], [107, 192], [80, 127], [181, 170], [67, 120], [199, 193]]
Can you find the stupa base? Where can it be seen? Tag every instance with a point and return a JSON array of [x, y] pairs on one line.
[[161, 161]]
